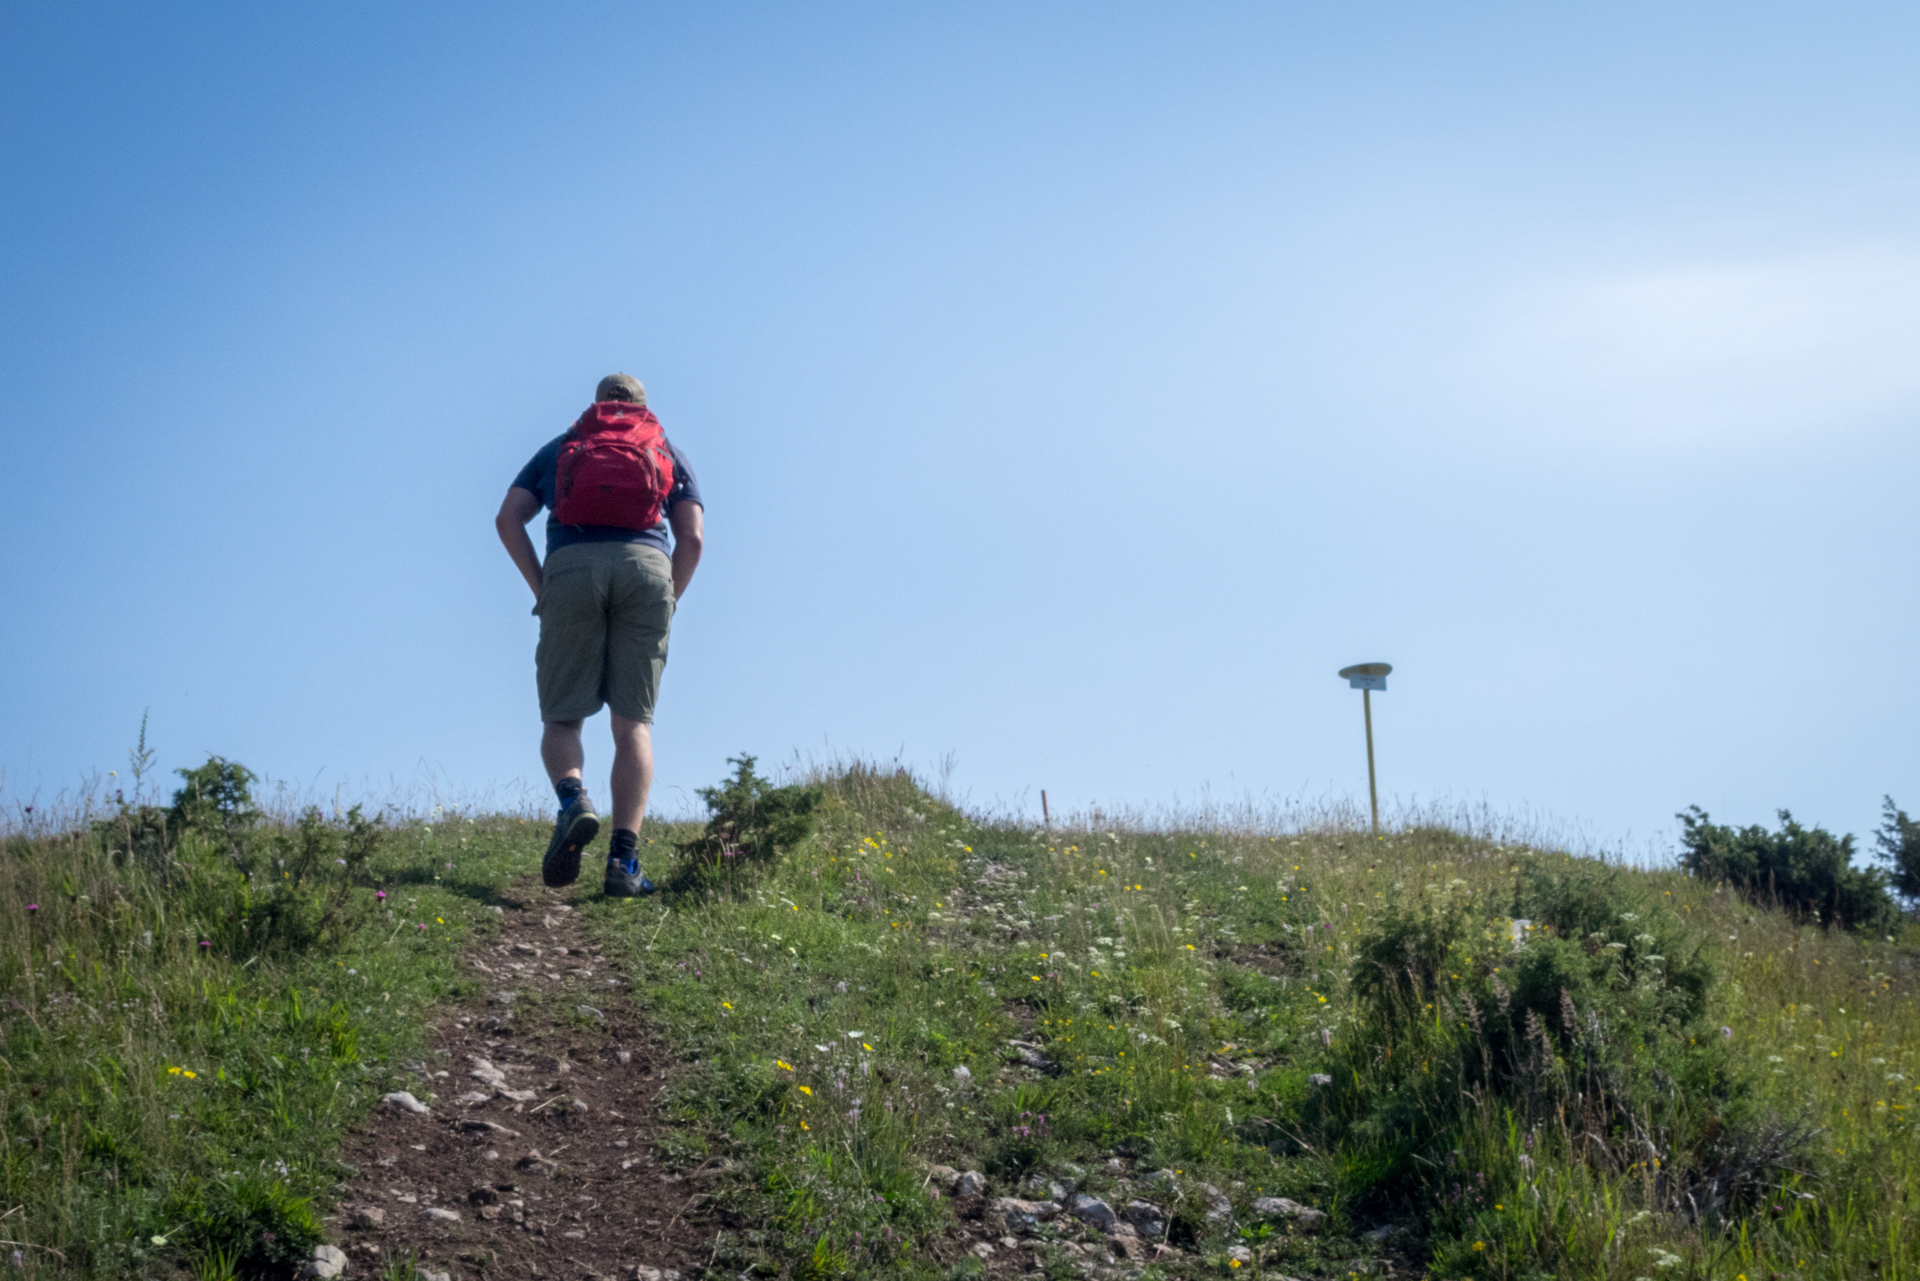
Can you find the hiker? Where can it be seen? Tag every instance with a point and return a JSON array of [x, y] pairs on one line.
[[612, 486]]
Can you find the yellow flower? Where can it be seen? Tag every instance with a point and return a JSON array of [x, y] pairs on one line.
[[805, 1090], [726, 1005], [783, 1065], [1479, 1245], [1233, 1263], [805, 1126], [866, 1047], [1034, 977], [173, 1071], [189, 1073], [440, 920]]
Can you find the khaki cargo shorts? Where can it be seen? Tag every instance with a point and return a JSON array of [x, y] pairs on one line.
[[605, 609]]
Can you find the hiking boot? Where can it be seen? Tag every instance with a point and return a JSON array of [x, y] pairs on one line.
[[575, 831], [624, 881]]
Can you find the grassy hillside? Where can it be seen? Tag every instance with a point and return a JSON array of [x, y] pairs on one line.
[[182, 1046], [1235, 1007], [1654, 1080]]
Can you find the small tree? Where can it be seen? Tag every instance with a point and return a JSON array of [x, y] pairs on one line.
[[1807, 871], [752, 822], [216, 798], [1899, 842]]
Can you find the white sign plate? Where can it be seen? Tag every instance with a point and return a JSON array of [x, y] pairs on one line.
[[1367, 675]]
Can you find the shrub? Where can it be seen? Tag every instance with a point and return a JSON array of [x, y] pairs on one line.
[[1806, 871], [751, 823], [1599, 953], [1586, 1032], [1899, 842], [255, 1222]]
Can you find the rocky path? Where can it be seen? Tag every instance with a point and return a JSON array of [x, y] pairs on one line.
[[528, 1147]]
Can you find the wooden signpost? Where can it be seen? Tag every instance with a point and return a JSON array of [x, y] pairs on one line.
[[1367, 677]]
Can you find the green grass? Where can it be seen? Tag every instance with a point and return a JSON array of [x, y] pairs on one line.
[[1187, 986], [169, 1104]]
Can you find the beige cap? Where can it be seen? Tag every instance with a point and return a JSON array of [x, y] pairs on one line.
[[620, 387]]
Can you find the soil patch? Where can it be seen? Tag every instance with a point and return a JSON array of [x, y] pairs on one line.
[[538, 1155]]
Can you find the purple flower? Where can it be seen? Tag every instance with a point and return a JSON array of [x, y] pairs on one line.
[[379, 894], [206, 942], [33, 907], [1727, 1032]]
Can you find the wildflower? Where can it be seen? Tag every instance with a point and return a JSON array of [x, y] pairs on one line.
[[783, 1065], [189, 1073], [1727, 1033], [379, 894], [726, 1005], [1479, 1245], [805, 1090], [439, 920], [206, 942], [33, 907], [340, 862], [805, 1126]]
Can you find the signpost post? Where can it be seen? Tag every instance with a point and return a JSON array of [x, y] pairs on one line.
[[1367, 677]]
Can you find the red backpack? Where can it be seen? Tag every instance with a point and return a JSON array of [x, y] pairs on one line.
[[614, 468]]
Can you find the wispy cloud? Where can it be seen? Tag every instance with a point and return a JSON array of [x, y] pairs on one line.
[[1708, 352]]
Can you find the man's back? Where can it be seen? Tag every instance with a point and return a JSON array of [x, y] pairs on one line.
[[605, 596]]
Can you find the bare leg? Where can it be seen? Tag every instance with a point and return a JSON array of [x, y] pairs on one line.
[[560, 750], [632, 771]]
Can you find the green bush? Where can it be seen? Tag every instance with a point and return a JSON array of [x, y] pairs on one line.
[[1511, 1014], [1573, 1014], [1899, 847], [255, 1222], [751, 823], [250, 886], [1806, 871]]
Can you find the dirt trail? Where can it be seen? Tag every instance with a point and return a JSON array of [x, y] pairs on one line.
[[537, 1156]]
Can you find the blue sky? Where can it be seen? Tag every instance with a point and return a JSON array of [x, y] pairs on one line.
[[1074, 389]]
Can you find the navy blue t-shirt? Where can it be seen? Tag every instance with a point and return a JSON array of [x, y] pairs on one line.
[[539, 477]]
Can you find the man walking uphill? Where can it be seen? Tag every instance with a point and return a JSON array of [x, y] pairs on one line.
[[612, 487]]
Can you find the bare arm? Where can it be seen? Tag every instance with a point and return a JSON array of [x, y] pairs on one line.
[[689, 524], [519, 507]]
